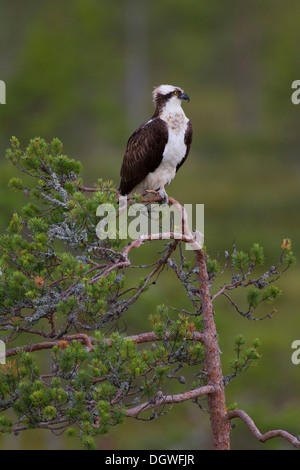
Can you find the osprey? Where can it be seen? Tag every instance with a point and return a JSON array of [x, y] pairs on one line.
[[158, 148]]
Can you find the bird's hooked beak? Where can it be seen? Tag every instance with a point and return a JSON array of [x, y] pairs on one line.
[[184, 96]]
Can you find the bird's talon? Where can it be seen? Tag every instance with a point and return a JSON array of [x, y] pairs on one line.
[[164, 197]]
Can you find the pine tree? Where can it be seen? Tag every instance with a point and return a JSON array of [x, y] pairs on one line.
[[69, 291]]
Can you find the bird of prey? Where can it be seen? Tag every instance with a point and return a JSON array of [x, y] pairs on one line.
[[158, 148]]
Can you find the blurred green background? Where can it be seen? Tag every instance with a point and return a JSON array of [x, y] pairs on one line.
[[84, 71]]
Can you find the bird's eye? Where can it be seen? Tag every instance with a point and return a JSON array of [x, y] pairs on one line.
[[176, 92]]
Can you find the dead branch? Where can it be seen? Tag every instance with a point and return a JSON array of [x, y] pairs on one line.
[[255, 431]]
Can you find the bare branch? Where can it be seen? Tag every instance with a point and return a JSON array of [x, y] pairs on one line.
[[170, 399]]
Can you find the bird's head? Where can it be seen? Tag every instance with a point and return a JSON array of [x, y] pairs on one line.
[[170, 95]]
